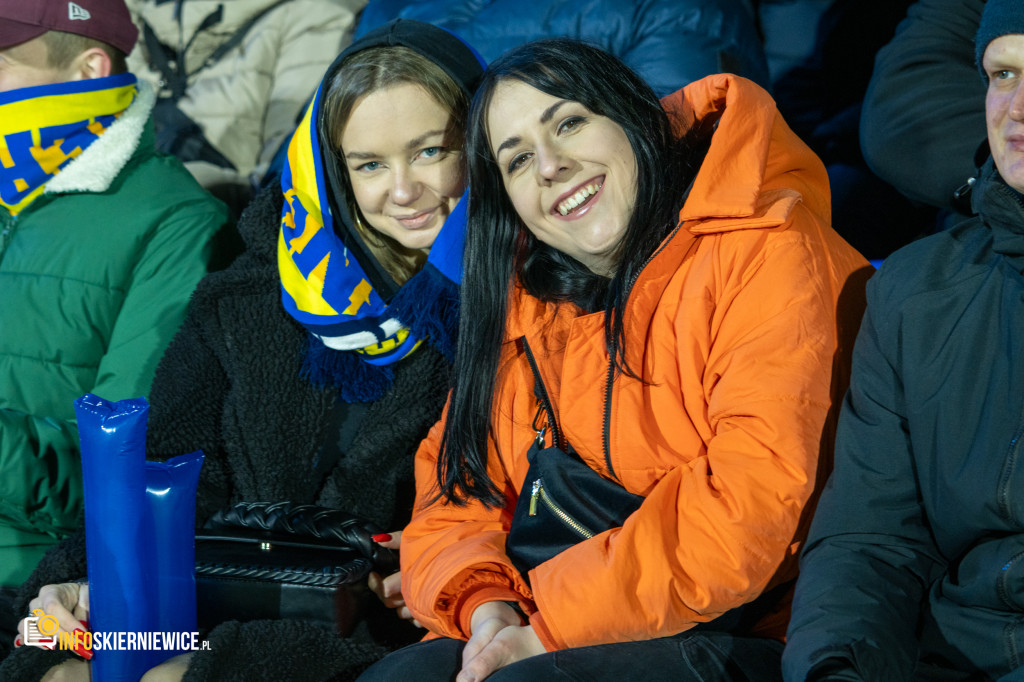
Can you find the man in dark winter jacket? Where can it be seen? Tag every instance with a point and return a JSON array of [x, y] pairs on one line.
[[101, 243], [914, 568]]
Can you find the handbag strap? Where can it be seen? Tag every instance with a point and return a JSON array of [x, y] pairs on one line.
[[332, 576], [306, 520], [545, 406]]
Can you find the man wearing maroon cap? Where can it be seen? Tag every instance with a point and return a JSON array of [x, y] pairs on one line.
[[102, 241], [51, 42]]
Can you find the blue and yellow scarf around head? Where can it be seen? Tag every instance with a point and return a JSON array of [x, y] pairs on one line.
[[44, 128], [356, 335]]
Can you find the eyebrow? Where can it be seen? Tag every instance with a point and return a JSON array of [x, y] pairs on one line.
[[410, 145], [545, 116]]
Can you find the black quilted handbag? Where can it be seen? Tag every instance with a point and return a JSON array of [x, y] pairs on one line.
[[260, 560]]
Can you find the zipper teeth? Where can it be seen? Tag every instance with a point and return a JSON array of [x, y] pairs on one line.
[[606, 427], [562, 514], [1008, 466], [556, 435]]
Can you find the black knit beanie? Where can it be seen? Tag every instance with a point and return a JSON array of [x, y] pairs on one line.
[[1000, 18]]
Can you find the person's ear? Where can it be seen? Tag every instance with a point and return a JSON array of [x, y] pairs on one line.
[[93, 63]]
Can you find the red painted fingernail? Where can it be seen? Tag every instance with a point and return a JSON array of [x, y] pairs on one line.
[[80, 649], [17, 641], [85, 623], [381, 537]]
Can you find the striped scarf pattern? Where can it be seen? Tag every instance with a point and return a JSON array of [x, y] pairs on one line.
[[44, 128]]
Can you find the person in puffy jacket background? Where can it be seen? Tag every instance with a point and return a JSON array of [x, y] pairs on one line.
[[822, 98], [667, 273], [669, 43], [232, 78], [925, 107]]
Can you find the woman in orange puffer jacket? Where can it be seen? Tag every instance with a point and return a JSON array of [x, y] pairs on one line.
[[677, 291]]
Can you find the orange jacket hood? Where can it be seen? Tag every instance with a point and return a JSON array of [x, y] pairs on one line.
[[751, 176]]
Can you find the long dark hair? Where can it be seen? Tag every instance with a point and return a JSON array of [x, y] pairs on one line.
[[499, 247]]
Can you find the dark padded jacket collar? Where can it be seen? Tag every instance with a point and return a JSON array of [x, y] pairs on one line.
[[1002, 209]]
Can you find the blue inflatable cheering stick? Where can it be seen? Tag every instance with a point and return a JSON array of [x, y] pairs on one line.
[[140, 539]]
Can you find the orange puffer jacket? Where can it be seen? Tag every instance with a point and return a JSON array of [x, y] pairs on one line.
[[739, 330]]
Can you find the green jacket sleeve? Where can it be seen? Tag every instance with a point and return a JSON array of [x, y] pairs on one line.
[[40, 466], [43, 450], [163, 281]]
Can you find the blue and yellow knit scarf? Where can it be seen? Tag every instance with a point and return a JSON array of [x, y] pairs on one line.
[[356, 335], [43, 128]]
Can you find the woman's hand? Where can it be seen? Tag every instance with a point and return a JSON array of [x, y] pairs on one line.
[[498, 639], [389, 589], [68, 603]]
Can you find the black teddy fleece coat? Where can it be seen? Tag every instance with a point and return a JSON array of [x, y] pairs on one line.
[[229, 385]]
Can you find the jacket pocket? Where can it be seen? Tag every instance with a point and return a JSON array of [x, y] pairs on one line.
[[989, 575], [539, 496]]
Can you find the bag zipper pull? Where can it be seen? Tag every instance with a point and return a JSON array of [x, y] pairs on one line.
[[539, 430], [534, 494]]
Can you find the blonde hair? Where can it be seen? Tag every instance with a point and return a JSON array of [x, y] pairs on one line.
[[366, 72]]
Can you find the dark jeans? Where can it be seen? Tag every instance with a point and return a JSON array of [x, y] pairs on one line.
[[697, 657]]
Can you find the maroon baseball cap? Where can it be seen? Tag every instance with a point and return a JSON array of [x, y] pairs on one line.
[[107, 21]]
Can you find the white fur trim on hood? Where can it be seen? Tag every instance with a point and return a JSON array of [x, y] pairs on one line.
[[95, 168]]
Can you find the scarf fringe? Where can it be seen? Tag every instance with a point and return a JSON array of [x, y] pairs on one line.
[[357, 381], [428, 305]]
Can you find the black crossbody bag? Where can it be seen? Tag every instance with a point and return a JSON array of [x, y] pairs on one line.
[[563, 501]]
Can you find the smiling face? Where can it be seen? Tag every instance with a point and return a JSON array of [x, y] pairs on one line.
[[405, 169], [1004, 106], [570, 174]]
